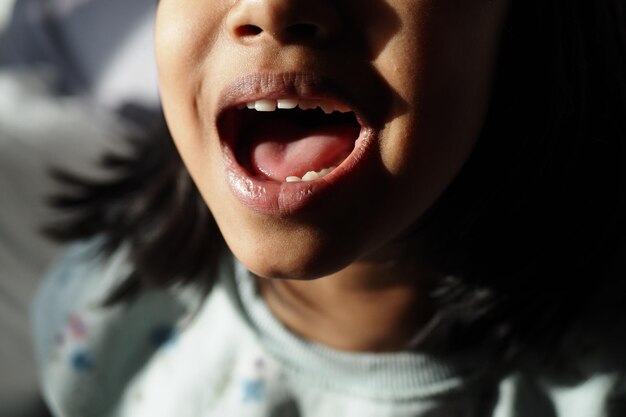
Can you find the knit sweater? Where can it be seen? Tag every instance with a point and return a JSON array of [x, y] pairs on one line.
[[180, 353]]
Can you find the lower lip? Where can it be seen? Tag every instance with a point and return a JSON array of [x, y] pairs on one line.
[[284, 199]]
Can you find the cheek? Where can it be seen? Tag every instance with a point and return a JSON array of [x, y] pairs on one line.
[[185, 33], [173, 42], [441, 65]]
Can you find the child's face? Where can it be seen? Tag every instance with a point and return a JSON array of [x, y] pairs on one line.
[[415, 72]]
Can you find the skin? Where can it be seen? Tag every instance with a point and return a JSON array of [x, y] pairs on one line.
[[429, 61]]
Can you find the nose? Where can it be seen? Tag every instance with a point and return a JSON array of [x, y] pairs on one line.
[[283, 21]]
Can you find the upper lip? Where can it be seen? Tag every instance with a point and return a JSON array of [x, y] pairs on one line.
[[300, 85]]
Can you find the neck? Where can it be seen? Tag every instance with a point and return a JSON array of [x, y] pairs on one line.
[[374, 305]]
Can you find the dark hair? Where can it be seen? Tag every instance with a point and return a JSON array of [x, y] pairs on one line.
[[152, 205], [527, 230], [534, 222]]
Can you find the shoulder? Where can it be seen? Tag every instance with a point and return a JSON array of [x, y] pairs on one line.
[[527, 394], [584, 376], [81, 276], [88, 352]]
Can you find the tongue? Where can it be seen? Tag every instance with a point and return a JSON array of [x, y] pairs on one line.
[[286, 149]]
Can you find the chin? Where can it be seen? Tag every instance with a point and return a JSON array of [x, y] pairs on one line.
[[293, 257]]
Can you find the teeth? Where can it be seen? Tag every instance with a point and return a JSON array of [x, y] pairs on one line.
[[310, 176], [288, 103], [307, 105], [265, 105], [342, 109], [325, 171], [327, 108], [291, 103]]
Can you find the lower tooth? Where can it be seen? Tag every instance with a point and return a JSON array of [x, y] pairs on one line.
[[325, 171], [310, 176]]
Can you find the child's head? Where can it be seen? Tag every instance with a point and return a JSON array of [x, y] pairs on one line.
[[417, 75], [491, 130]]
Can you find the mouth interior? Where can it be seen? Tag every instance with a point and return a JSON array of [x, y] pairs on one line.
[[290, 143]]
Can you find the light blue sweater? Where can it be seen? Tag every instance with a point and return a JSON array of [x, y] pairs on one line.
[[176, 353]]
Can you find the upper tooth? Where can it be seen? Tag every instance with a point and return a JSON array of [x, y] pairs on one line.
[[265, 105], [307, 104], [288, 103], [342, 109], [327, 108]]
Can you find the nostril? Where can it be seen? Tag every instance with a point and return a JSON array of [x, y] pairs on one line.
[[303, 31], [248, 30]]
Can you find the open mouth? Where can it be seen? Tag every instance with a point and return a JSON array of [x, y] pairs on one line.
[[292, 141], [289, 140]]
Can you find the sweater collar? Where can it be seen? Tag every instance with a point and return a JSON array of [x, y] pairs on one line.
[[394, 376]]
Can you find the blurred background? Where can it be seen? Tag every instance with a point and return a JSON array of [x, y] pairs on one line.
[[76, 78]]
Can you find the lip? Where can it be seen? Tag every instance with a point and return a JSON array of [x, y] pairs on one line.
[[289, 198]]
